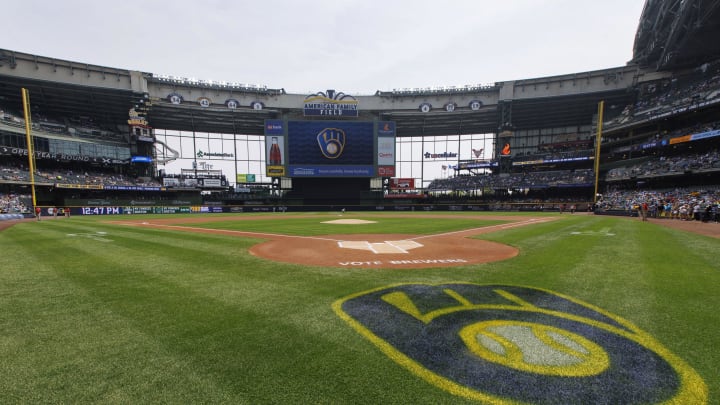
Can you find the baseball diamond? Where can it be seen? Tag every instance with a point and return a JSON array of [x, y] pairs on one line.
[[361, 250]]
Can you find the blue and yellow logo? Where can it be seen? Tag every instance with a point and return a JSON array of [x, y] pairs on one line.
[[331, 142], [509, 344]]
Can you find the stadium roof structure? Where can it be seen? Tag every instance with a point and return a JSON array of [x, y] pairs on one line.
[[190, 117], [106, 106], [60, 88], [676, 34], [544, 111], [69, 89]]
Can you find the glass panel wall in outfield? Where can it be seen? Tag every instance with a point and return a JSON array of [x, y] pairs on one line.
[[422, 158], [233, 154], [432, 157]]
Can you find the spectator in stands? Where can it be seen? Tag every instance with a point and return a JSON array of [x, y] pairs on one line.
[[707, 214]]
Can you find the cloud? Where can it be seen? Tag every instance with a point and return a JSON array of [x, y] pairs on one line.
[[353, 46]]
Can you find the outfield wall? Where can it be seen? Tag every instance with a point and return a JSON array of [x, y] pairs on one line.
[[582, 207]]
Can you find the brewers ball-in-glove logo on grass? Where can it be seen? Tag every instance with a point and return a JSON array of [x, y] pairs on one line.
[[331, 142], [508, 344]]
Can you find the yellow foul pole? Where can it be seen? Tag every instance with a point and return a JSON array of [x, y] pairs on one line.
[[28, 136], [598, 140]]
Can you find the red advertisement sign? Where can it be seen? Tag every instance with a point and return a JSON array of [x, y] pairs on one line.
[[402, 183]]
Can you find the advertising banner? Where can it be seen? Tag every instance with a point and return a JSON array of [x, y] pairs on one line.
[[386, 128], [171, 210], [386, 151], [275, 154], [11, 151], [331, 171], [402, 184], [275, 171], [274, 127], [386, 171], [216, 183], [275, 150], [245, 178], [680, 139]]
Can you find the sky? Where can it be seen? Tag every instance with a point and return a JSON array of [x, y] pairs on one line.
[[356, 47]]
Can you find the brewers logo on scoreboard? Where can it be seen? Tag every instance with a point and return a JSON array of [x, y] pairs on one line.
[[332, 142], [329, 148]]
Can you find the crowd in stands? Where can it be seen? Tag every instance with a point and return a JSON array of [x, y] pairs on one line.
[[558, 178], [560, 155], [94, 178], [671, 95], [14, 174], [665, 166], [655, 167], [685, 203], [72, 126], [580, 146], [658, 137], [14, 203], [20, 173]]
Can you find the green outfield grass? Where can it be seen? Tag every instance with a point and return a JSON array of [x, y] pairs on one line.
[[92, 311]]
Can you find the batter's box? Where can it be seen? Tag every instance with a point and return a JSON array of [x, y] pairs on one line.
[[387, 247]]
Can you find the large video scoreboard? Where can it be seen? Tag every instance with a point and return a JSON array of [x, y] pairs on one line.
[[330, 148]]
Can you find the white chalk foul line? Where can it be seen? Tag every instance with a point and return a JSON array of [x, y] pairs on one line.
[[242, 233], [484, 228]]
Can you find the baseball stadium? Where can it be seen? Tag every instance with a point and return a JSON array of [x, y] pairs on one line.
[[553, 239]]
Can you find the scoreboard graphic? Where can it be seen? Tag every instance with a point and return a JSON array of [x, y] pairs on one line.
[[329, 148]]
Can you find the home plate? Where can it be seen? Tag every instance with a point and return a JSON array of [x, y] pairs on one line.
[[390, 246]]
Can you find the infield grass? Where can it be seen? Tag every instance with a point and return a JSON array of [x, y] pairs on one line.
[[92, 311], [327, 224]]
